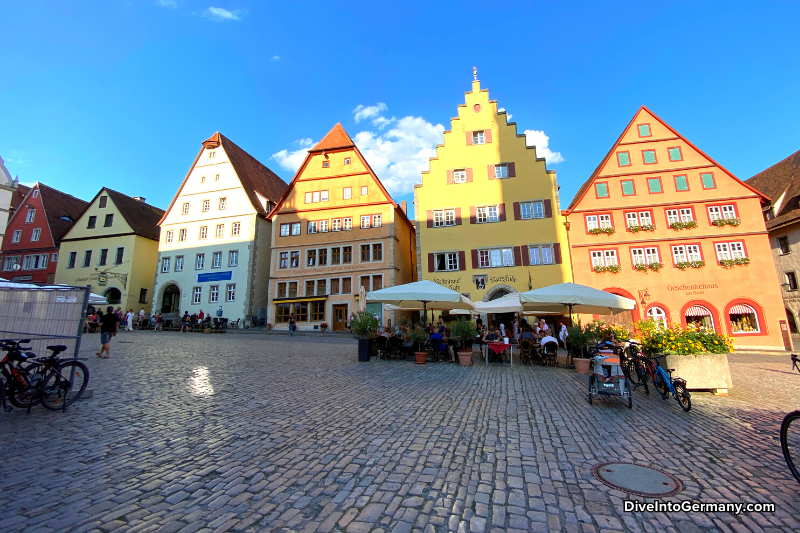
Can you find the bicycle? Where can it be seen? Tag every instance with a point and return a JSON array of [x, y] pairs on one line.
[[790, 441], [667, 384], [54, 383]]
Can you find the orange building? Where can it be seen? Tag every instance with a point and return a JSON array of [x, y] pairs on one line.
[[662, 223]]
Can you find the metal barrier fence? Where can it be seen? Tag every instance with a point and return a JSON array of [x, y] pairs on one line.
[[46, 316]]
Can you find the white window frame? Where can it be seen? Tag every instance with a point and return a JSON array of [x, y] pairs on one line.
[[230, 292], [484, 260], [478, 137], [673, 216], [365, 221], [233, 258], [364, 190], [678, 253], [323, 226], [199, 261], [605, 221], [501, 171], [220, 233], [637, 255], [236, 228], [182, 234], [460, 175], [213, 294], [714, 212], [216, 260], [541, 254], [197, 295], [686, 215], [185, 208], [30, 215], [203, 233], [347, 193], [376, 221], [336, 224], [591, 222], [178, 263], [450, 261], [170, 236], [206, 206], [347, 223], [312, 227], [645, 219], [36, 234], [222, 202], [728, 211], [658, 315], [16, 236], [632, 219], [165, 265]]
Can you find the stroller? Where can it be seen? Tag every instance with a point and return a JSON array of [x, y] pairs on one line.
[[607, 378]]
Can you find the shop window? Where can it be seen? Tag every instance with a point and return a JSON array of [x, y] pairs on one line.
[[744, 319], [700, 317], [317, 311], [283, 312]]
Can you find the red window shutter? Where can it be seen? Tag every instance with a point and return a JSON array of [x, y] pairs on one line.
[[431, 266], [557, 252], [517, 212], [490, 168], [462, 260], [517, 256], [473, 219], [469, 138], [501, 212], [449, 177], [458, 216], [548, 209], [429, 217], [526, 255], [475, 262], [487, 136], [469, 175], [512, 170]]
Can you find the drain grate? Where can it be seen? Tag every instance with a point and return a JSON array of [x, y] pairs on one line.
[[639, 480]]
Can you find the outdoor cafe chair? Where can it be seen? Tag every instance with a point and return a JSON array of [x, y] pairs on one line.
[[383, 347], [527, 351], [549, 352], [438, 352]]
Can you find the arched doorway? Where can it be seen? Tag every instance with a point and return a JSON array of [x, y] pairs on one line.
[[498, 294], [495, 319], [792, 322], [113, 295], [171, 299]]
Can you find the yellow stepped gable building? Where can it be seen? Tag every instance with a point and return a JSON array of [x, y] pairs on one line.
[[113, 247], [336, 229], [486, 211]]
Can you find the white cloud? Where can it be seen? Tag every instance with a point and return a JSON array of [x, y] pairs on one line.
[[291, 160], [364, 112], [275, 58], [167, 3], [508, 115], [541, 142], [382, 122], [219, 14]]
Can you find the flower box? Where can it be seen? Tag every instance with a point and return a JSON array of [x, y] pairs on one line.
[[705, 371], [633, 228], [677, 226], [612, 268], [683, 265], [727, 222], [730, 263], [598, 231]]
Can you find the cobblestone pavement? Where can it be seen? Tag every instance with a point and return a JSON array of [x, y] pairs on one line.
[[263, 433]]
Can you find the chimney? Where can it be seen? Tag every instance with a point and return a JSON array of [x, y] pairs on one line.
[[404, 207], [140, 199]]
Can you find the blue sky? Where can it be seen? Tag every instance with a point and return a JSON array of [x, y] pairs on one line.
[[121, 94]]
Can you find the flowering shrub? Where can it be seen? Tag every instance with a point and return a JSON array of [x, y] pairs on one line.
[[324, 325], [683, 225], [730, 263], [633, 228], [655, 267], [598, 231], [644, 267], [611, 268], [641, 267], [675, 340], [683, 265], [596, 331], [727, 222]]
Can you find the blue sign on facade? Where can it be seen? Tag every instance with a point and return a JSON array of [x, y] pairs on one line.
[[215, 276]]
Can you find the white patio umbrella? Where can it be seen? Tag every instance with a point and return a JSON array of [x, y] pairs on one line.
[[507, 304], [578, 298], [391, 307], [421, 294]]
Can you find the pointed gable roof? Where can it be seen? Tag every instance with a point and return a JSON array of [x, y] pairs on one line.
[[781, 180], [335, 139], [141, 217], [256, 179], [62, 210], [588, 183]]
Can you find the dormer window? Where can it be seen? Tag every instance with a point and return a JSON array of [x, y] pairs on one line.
[[36, 193], [477, 137]]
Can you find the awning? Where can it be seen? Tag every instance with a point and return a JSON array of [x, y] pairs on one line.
[[294, 300], [742, 310], [696, 310]]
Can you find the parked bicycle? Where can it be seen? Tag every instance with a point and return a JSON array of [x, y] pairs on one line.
[[790, 441], [28, 381]]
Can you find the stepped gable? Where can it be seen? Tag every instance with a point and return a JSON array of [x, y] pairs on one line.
[[59, 207], [140, 216], [781, 180]]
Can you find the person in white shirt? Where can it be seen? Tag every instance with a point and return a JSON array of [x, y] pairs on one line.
[[129, 317], [562, 335]]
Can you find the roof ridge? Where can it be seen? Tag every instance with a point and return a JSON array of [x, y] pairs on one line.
[[337, 137]]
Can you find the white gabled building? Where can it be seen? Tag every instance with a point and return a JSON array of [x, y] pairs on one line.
[[215, 241]]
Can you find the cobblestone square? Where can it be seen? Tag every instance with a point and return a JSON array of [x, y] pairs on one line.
[[251, 432]]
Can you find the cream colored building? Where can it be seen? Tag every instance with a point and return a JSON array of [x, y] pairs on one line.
[[215, 243], [113, 247], [7, 188]]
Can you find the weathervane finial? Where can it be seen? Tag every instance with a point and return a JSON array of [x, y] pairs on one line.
[[475, 73]]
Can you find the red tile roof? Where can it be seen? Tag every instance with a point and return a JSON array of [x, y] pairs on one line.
[[62, 210], [334, 139], [781, 180]]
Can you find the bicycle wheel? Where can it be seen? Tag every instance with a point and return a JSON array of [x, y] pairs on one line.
[[630, 394], [58, 391], [23, 397], [641, 371], [659, 383], [591, 386], [683, 397], [790, 442]]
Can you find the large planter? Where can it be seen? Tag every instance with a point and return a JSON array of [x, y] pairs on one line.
[[582, 365], [708, 371], [465, 358], [364, 350], [420, 357]]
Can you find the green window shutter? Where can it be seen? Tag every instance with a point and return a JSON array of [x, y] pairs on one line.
[[681, 183], [654, 185], [649, 156], [644, 130], [623, 159], [708, 180], [627, 188], [601, 189], [675, 154]]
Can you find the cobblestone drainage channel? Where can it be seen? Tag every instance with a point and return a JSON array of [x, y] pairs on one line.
[[639, 480]]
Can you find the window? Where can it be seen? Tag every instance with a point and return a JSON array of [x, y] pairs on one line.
[[730, 250], [689, 252], [477, 137], [501, 171], [35, 262], [294, 259], [216, 260], [87, 259], [181, 235], [54, 257], [654, 185], [109, 220], [71, 261], [347, 193], [496, 257], [623, 159], [483, 258], [487, 214], [206, 206], [32, 213], [185, 208], [310, 287], [220, 233], [642, 218], [312, 227], [645, 256], [169, 237], [364, 190], [460, 175], [216, 177], [347, 224], [605, 221], [323, 226], [282, 290], [284, 260], [346, 160], [649, 157], [236, 228], [282, 312], [222, 203], [644, 130], [213, 294], [197, 293], [16, 236], [230, 292], [322, 256], [92, 222], [681, 183], [311, 258], [628, 188], [285, 230], [200, 261], [446, 261], [686, 214], [744, 319], [295, 228], [377, 282], [601, 190], [721, 212], [203, 232], [675, 154], [326, 164], [212, 154], [791, 280], [36, 194], [334, 286], [377, 252], [783, 245], [530, 210], [103, 257], [365, 221], [321, 287], [317, 310], [347, 286], [347, 254], [142, 296], [233, 258], [445, 217], [376, 221], [336, 255], [658, 315], [365, 252], [178, 263], [673, 216], [292, 289], [10, 262], [604, 258], [707, 178], [591, 222], [316, 197], [541, 254]]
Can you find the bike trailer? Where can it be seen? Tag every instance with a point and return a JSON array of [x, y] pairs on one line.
[[609, 378]]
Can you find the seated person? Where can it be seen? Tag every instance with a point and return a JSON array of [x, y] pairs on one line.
[[491, 336], [528, 334], [548, 338], [437, 342]]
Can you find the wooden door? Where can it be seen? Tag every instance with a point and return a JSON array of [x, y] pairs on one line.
[[339, 317]]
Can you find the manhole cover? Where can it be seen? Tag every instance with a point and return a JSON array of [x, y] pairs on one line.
[[635, 479]]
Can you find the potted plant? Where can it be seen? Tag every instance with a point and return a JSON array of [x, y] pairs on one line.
[[578, 340], [364, 326], [269, 326], [323, 326], [418, 337], [464, 332]]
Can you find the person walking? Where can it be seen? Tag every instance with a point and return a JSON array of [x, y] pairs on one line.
[[109, 325], [292, 325], [129, 318]]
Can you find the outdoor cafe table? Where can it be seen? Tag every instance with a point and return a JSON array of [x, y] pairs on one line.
[[498, 348]]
